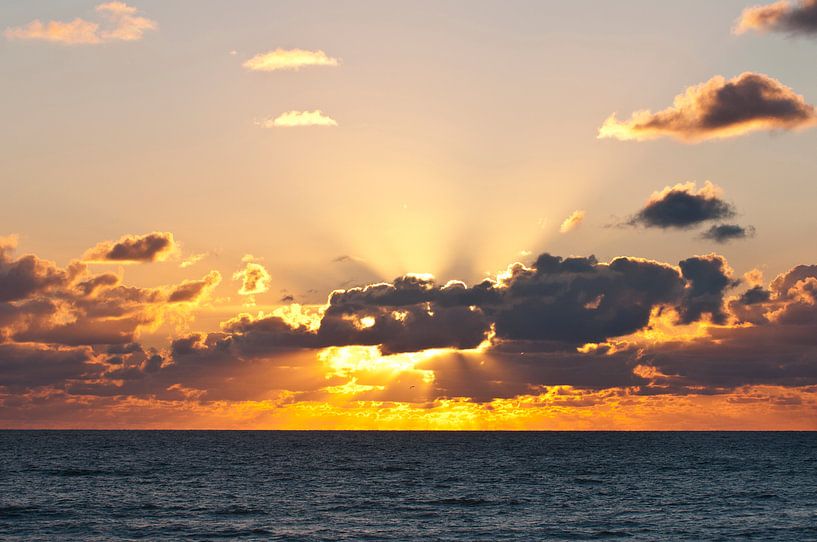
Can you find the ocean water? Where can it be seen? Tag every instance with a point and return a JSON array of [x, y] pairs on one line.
[[208, 485]]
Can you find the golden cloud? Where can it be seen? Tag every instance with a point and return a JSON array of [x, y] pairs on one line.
[[292, 119], [572, 222], [255, 279], [288, 60]]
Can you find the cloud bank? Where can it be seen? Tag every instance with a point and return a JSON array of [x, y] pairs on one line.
[[573, 332]]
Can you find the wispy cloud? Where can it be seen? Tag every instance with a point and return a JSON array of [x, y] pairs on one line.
[[192, 260], [298, 118], [288, 60], [572, 222], [121, 23], [718, 108]]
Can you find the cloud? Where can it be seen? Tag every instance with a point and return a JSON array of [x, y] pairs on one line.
[[121, 23], [683, 206], [723, 233], [151, 247], [298, 118], [572, 222], [255, 279], [716, 109], [798, 17], [193, 291], [288, 60]]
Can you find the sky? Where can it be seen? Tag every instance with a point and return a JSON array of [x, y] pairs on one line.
[[434, 215]]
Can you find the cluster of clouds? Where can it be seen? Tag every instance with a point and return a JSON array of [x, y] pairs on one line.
[[119, 22], [558, 321]]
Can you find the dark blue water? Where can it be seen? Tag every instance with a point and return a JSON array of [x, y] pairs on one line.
[[86, 485]]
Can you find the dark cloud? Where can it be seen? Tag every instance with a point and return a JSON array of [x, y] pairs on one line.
[[578, 300], [708, 278], [23, 367], [723, 233], [791, 17], [718, 109], [150, 247], [683, 206], [755, 295], [29, 275]]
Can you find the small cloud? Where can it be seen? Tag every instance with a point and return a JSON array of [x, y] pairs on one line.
[[783, 16], [121, 23], [572, 222], [151, 247], [298, 118], [717, 109], [192, 260], [255, 279], [682, 206], [194, 291], [288, 60], [723, 233], [346, 258]]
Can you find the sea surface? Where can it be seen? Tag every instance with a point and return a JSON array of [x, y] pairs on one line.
[[215, 485]]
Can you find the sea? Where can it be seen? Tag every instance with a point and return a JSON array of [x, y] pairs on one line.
[[348, 485]]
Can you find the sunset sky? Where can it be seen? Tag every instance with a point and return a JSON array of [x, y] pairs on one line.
[[429, 215]]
